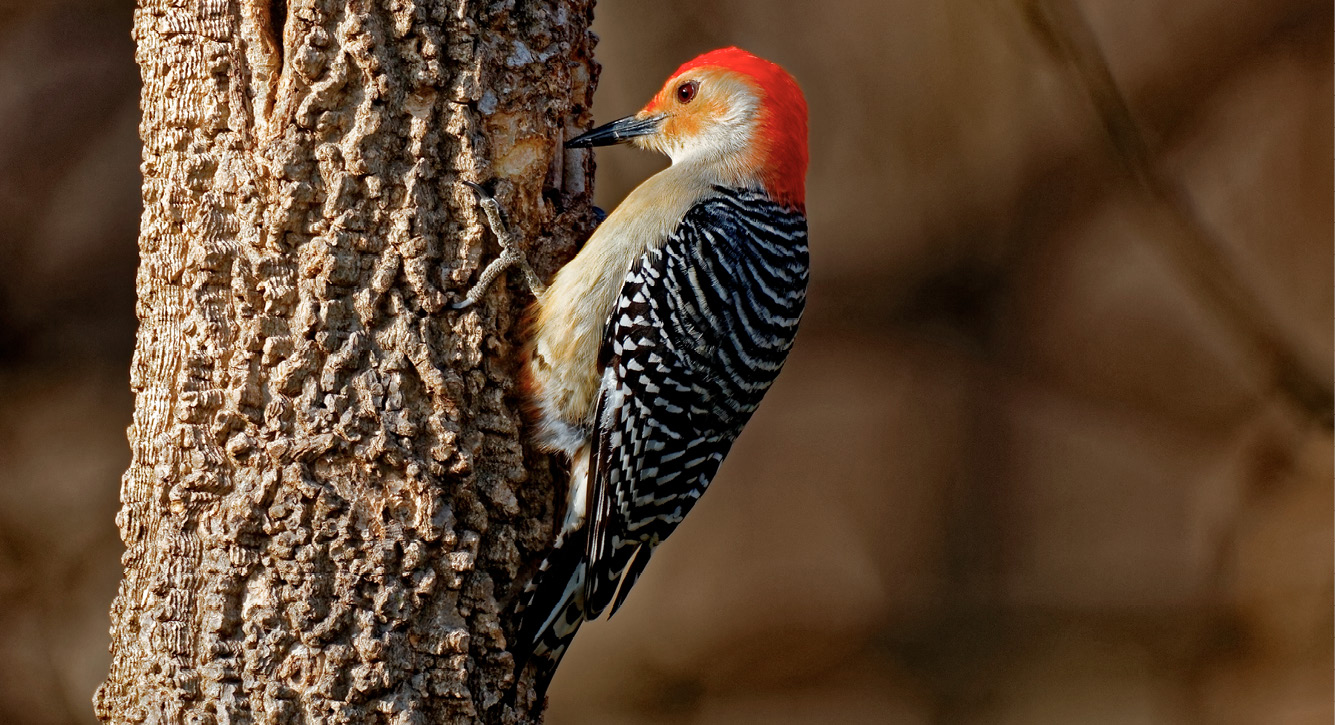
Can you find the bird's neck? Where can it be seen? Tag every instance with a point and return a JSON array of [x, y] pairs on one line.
[[715, 170]]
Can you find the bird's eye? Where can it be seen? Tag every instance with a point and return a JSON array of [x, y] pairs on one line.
[[686, 91]]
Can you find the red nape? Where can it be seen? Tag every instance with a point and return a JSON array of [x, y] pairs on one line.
[[783, 121]]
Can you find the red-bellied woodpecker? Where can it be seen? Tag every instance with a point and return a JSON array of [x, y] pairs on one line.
[[652, 348]]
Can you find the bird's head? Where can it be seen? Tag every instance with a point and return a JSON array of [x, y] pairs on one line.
[[737, 116]]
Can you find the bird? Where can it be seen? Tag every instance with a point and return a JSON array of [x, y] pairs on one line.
[[651, 349]]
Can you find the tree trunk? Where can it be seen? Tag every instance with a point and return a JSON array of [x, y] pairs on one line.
[[329, 509]]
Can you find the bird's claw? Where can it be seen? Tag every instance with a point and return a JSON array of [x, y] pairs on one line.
[[510, 252]]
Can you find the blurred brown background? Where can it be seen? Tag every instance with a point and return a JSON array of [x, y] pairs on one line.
[[1022, 466]]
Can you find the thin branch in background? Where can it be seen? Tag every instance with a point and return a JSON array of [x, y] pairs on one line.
[[1064, 31]]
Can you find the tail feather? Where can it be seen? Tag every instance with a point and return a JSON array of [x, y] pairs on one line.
[[632, 573], [552, 610], [611, 580]]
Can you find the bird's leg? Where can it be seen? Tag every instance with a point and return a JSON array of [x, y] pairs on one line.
[[511, 254]]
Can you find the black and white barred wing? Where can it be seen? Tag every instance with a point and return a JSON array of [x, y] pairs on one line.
[[700, 331]]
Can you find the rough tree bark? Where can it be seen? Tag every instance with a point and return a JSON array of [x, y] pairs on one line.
[[329, 507]]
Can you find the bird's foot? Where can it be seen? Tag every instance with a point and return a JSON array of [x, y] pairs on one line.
[[511, 254]]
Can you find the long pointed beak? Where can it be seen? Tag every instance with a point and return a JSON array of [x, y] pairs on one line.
[[618, 131]]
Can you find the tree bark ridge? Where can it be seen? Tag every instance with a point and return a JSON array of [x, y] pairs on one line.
[[328, 504]]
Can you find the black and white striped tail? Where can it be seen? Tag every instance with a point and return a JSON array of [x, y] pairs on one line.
[[552, 609]]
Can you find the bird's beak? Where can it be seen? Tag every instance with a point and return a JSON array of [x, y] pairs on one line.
[[620, 130]]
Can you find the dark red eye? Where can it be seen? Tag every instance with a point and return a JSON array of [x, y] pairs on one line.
[[686, 91]]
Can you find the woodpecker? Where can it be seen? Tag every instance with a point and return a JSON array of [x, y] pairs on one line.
[[655, 344]]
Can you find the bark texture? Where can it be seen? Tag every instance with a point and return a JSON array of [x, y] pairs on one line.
[[329, 507]]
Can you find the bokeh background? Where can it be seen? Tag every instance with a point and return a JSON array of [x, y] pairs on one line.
[[1023, 466]]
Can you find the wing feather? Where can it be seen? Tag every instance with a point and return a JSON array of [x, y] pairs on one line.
[[700, 330]]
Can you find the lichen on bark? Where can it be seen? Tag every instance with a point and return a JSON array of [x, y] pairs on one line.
[[330, 505]]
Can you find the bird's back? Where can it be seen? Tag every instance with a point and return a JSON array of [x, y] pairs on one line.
[[569, 319]]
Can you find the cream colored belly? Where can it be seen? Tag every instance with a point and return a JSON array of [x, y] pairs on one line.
[[573, 312], [563, 367]]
